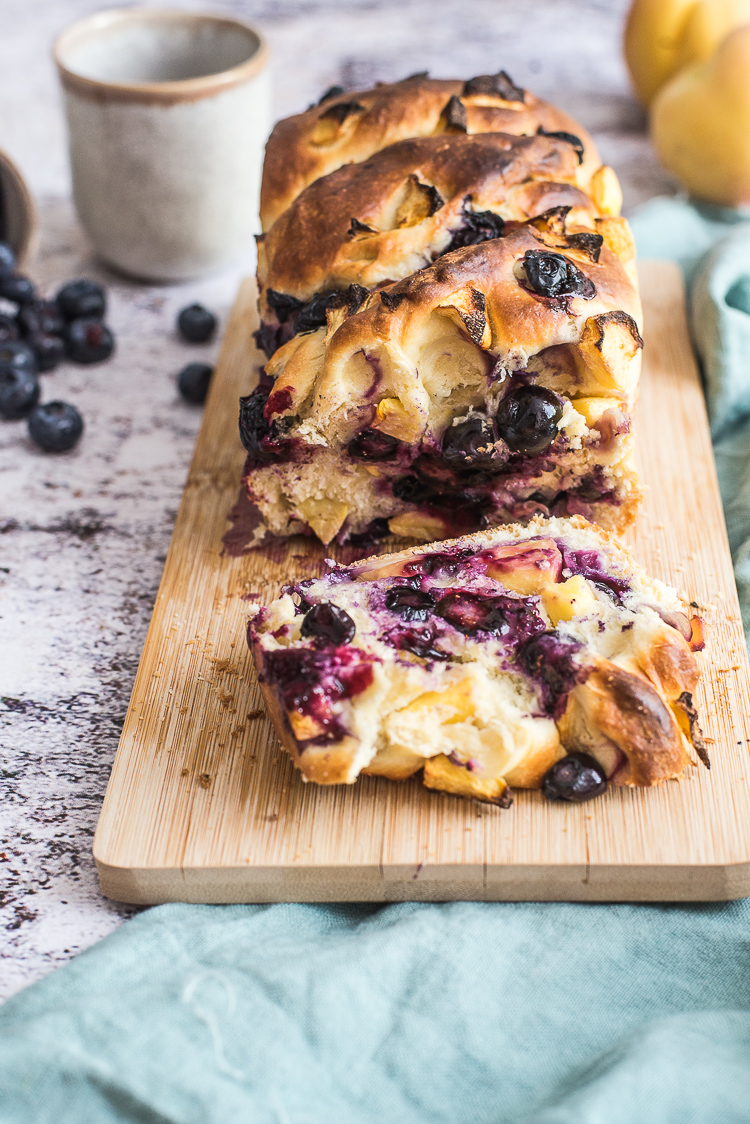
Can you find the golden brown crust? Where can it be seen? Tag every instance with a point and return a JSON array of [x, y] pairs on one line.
[[621, 719], [350, 127], [316, 244], [478, 295]]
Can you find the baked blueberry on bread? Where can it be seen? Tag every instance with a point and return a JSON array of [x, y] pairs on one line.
[[347, 127], [450, 310], [531, 657]]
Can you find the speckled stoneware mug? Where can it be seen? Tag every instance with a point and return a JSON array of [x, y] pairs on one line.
[[168, 113]]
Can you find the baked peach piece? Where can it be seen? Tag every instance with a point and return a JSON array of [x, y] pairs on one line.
[[534, 657]]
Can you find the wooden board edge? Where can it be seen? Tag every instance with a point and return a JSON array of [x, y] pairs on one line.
[[512, 883]]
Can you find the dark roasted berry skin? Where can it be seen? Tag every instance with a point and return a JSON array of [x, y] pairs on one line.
[[253, 424], [7, 259], [411, 489], [411, 604], [370, 445], [527, 419], [55, 426], [89, 341], [82, 298], [49, 350], [575, 778], [330, 623], [193, 382], [41, 316], [19, 355], [15, 287], [552, 275], [570, 138], [196, 324], [477, 227], [8, 328], [19, 392], [313, 315], [470, 444]]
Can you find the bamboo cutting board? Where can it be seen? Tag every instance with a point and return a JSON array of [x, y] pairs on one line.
[[204, 806]]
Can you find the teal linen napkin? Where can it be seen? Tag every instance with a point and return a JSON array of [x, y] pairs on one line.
[[712, 246], [460, 1013]]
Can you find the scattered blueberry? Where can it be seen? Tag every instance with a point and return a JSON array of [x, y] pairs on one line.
[[330, 623], [19, 392], [411, 604], [17, 288], [575, 778], [49, 349], [18, 355], [82, 298], [8, 327], [7, 259], [370, 445], [527, 419], [193, 382], [55, 426], [196, 324], [41, 316], [89, 341]]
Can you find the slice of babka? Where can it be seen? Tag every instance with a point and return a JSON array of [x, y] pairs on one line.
[[537, 656]]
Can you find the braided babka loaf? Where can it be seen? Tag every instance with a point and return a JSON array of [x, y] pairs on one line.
[[534, 657], [450, 311], [349, 127]]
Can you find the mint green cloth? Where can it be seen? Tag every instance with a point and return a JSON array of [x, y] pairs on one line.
[[460, 1013]]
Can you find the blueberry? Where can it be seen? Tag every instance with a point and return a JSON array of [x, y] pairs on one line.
[[15, 287], [411, 489], [41, 316], [49, 349], [527, 419], [8, 327], [196, 324], [314, 314], [19, 392], [7, 259], [55, 426], [253, 424], [552, 275], [89, 341], [193, 382], [470, 444], [370, 445], [330, 623], [575, 778], [82, 298], [552, 660], [18, 355], [411, 604]]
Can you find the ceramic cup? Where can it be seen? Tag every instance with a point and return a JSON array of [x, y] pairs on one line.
[[167, 113]]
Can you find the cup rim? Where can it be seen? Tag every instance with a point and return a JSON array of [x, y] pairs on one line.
[[184, 89]]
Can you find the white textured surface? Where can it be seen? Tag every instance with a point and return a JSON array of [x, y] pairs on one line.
[[83, 536]]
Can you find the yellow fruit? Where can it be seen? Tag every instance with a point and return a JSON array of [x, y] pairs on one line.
[[700, 124], [663, 36]]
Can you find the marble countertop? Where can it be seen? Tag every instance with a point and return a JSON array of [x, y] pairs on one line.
[[83, 535]]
